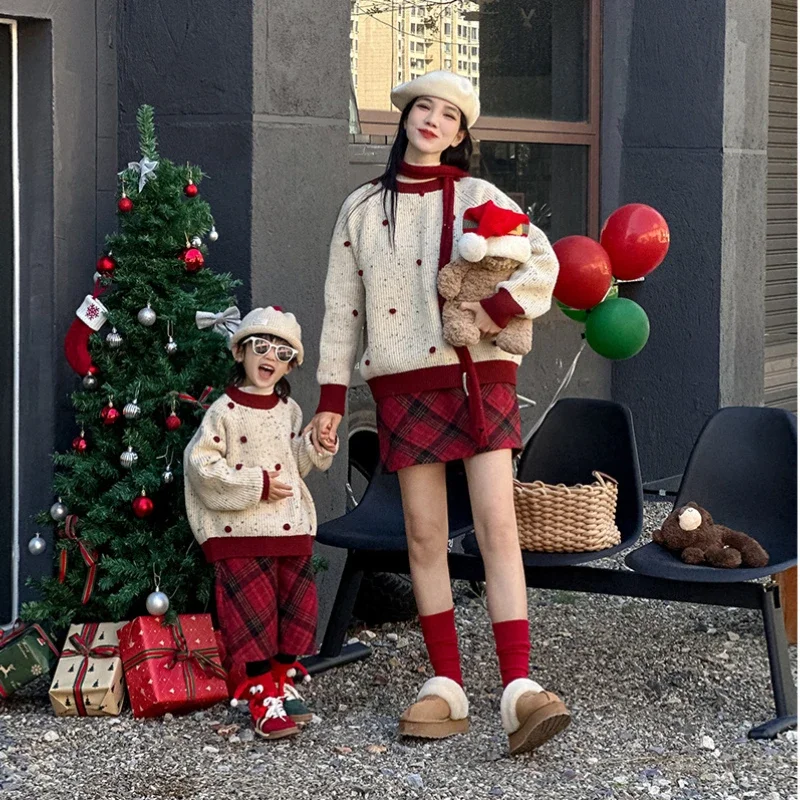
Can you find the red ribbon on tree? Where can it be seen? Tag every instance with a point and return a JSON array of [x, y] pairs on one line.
[[203, 658], [89, 558], [200, 402], [82, 643]]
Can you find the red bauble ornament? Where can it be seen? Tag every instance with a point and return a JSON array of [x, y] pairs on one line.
[[190, 190], [636, 238], [125, 204], [79, 444], [109, 414], [193, 259], [143, 506], [106, 265], [584, 274], [173, 422]]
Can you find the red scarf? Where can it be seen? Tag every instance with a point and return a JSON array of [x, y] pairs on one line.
[[472, 387]]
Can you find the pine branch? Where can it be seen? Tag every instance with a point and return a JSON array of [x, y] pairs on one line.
[[147, 132]]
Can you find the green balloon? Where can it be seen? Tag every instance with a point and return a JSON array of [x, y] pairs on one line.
[[573, 313], [617, 328]]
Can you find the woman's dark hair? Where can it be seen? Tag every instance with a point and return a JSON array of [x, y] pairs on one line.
[[238, 376], [458, 156]]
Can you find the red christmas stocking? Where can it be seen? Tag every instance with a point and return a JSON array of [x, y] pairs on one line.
[[90, 317]]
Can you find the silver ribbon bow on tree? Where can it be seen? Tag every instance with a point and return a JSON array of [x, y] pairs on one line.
[[146, 169], [224, 322]]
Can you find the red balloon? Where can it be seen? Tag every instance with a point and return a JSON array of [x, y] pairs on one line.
[[584, 275], [636, 238]]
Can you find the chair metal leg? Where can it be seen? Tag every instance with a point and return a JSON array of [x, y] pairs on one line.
[[334, 653], [783, 688]]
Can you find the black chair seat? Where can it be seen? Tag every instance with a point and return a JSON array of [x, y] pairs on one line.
[[654, 560], [377, 522], [743, 469], [470, 544]]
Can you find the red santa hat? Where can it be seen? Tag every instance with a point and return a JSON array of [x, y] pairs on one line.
[[489, 230]]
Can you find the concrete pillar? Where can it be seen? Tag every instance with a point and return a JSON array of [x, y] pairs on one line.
[[684, 130]]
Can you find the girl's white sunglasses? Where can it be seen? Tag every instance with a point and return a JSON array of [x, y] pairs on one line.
[[283, 352]]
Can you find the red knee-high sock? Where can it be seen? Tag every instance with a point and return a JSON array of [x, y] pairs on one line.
[[439, 632], [513, 645]]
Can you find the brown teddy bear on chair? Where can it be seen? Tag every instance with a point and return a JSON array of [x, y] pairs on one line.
[[494, 244], [691, 532]]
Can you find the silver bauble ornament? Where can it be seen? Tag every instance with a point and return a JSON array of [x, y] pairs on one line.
[[171, 347], [196, 241], [146, 316], [157, 603], [114, 339], [212, 234], [129, 458], [168, 475], [58, 511], [131, 410], [37, 545], [89, 382]]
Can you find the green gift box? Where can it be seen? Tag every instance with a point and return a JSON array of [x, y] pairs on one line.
[[26, 653]]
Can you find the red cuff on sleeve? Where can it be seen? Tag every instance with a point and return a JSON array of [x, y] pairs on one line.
[[501, 307], [332, 397], [265, 490]]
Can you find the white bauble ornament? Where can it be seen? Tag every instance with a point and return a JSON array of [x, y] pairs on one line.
[[146, 316], [157, 603], [37, 545], [58, 511]]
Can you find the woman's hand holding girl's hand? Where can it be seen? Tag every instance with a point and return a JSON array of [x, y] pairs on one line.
[[323, 429], [485, 323], [277, 489]]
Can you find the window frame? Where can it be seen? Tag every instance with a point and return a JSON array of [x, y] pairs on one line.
[[537, 131]]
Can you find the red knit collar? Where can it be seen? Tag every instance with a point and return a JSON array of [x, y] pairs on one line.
[[252, 400], [435, 171], [430, 179]]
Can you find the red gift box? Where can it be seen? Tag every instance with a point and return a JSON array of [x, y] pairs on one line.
[[171, 667]]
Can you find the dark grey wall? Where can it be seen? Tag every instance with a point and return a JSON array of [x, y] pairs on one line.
[[193, 62], [666, 98], [67, 144]]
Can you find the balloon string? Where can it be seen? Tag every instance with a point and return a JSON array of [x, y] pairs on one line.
[[563, 385]]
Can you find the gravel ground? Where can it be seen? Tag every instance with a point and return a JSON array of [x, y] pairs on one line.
[[662, 696]]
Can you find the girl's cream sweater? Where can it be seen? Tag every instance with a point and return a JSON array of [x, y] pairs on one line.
[[244, 437]]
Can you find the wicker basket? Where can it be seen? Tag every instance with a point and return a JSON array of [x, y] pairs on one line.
[[567, 519]]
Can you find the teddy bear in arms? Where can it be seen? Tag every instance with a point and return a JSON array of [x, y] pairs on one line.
[[494, 244], [691, 532]]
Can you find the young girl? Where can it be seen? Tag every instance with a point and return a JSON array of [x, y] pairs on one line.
[[436, 403], [254, 517]]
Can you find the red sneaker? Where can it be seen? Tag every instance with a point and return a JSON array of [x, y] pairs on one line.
[[270, 720]]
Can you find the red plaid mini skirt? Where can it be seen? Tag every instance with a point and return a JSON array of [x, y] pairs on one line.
[[433, 427], [265, 605]]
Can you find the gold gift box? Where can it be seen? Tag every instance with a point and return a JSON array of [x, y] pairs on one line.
[[89, 681]]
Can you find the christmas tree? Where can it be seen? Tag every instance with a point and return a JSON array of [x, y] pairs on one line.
[[148, 373]]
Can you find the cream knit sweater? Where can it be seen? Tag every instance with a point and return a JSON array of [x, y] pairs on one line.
[[243, 437], [392, 291]]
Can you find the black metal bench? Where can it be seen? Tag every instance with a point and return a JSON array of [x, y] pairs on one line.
[[577, 437]]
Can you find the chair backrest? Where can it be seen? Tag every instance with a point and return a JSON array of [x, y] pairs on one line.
[[382, 501], [582, 435], [743, 470]]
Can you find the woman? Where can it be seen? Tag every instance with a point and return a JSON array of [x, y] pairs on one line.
[[436, 403]]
